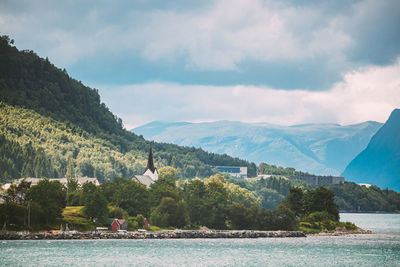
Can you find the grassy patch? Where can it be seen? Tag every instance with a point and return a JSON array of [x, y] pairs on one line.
[[156, 228], [73, 216]]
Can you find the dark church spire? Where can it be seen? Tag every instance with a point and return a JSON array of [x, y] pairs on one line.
[[150, 162]]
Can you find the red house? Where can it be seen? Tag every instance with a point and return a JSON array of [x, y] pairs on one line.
[[119, 224]]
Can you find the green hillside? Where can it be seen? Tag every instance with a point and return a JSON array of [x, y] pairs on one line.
[[42, 106]]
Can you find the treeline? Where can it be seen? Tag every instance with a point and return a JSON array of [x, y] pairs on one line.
[[352, 197], [36, 207], [31, 82], [212, 202], [23, 161], [265, 168], [348, 196], [271, 191]]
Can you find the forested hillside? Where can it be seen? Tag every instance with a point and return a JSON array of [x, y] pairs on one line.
[[23, 161], [43, 106]]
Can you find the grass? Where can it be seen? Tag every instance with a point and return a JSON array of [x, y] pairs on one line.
[[156, 228], [73, 216], [325, 226]]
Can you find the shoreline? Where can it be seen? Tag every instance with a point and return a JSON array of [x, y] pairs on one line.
[[342, 232], [171, 234], [165, 234]]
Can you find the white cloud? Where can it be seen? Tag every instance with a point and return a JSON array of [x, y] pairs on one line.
[[367, 94]]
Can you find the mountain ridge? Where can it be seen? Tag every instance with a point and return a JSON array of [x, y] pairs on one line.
[[379, 162], [305, 147]]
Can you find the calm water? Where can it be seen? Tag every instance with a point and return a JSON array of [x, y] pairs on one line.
[[381, 249]]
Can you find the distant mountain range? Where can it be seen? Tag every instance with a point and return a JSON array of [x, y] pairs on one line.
[[315, 148], [379, 163]]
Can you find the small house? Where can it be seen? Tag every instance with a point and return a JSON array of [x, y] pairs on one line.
[[119, 224], [146, 224]]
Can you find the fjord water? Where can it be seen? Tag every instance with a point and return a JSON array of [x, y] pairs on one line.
[[380, 249]]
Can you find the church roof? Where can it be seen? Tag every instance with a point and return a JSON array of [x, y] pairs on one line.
[[150, 162], [144, 179]]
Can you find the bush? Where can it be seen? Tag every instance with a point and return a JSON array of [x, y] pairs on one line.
[[159, 219], [117, 212], [319, 216], [347, 225]]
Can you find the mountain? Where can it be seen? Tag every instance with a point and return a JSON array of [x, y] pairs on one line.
[[54, 118], [315, 148], [379, 163]]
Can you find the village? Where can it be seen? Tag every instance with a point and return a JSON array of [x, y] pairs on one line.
[[100, 222]]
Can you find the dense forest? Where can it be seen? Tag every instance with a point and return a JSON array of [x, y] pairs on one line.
[[23, 161], [352, 197], [32, 86], [348, 196]]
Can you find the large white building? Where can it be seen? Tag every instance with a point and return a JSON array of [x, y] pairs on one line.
[[235, 171]]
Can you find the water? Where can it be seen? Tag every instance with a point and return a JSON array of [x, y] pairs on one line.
[[380, 249], [378, 223]]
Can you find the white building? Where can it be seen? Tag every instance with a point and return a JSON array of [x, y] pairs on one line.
[[150, 174], [235, 171]]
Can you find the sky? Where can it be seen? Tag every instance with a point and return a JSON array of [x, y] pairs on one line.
[[284, 62]]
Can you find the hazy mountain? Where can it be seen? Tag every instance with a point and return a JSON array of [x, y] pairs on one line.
[[315, 148], [379, 163]]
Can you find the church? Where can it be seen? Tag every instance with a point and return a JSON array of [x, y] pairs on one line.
[[150, 174]]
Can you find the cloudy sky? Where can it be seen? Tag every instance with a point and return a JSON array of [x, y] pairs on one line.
[[272, 61]]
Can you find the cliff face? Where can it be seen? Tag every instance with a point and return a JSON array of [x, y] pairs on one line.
[[379, 163]]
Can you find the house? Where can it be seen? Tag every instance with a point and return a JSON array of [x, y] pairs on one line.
[[119, 224], [64, 181], [146, 224], [150, 174]]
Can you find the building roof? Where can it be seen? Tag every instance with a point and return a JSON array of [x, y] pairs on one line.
[[144, 179], [119, 221], [64, 181]]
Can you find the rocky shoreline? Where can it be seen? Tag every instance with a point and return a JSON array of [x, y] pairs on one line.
[[167, 234], [343, 232]]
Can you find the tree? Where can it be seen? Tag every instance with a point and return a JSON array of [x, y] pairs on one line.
[[51, 197], [295, 201], [284, 219], [270, 199], [96, 205], [165, 213], [182, 217], [321, 199], [118, 213], [216, 203], [238, 216], [164, 186], [128, 195], [195, 196], [16, 193]]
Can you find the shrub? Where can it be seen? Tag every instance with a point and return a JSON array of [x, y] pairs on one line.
[[119, 213], [319, 216]]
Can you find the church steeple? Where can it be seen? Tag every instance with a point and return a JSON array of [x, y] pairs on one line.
[[150, 162]]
